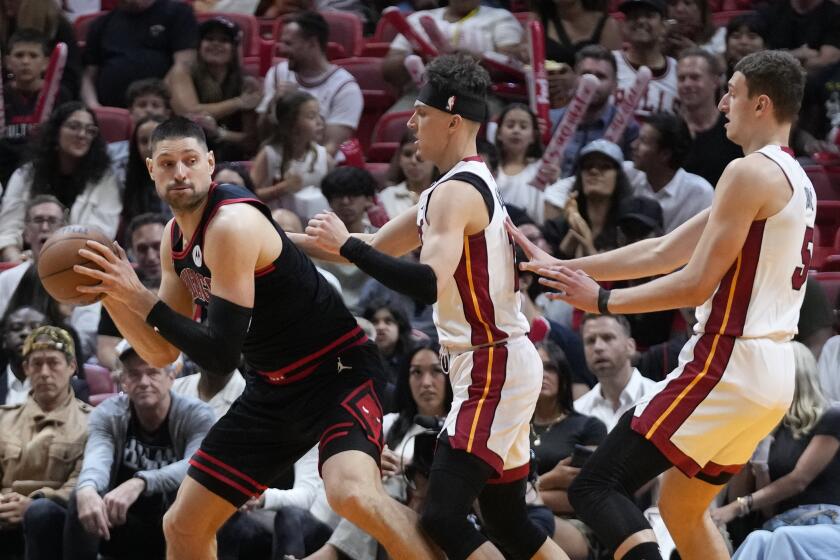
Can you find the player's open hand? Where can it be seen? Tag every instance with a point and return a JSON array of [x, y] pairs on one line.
[[575, 287], [537, 258], [117, 279], [328, 232]]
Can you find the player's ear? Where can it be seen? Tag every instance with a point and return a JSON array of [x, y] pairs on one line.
[[762, 103], [455, 122], [150, 164], [211, 161]]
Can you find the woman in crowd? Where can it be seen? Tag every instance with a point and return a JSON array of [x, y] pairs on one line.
[[692, 27], [555, 430], [70, 162], [744, 35], [588, 222], [140, 195], [520, 149], [573, 24], [288, 170], [235, 172], [393, 338], [794, 475], [423, 389], [408, 177], [216, 90]]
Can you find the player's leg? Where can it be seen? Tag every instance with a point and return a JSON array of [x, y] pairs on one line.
[[191, 523], [684, 504], [353, 485], [602, 494], [506, 518]]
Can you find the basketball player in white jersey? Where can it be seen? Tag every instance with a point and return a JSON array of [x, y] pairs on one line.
[[467, 271], [744, 262]]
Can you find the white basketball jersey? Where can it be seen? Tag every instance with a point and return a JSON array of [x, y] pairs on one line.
[[760, 295], [661, 91], [480, 303]]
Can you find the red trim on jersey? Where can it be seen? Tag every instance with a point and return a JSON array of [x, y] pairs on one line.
[[185, 250], [231, 470], [511, 475], [475, 417], [472, 278], [788, 150], [473, 158], [713, 469], [264, 270], [306, 365]]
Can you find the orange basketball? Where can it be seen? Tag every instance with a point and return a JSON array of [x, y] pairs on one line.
[[57, 258]]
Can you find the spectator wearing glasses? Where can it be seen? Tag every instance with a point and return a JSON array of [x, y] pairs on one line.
[[136, 456], [70, 162], [214, 90]]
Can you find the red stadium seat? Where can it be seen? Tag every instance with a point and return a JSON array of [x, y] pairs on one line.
[[82, 24], [379, 172], [114, 123], [346, 30], [367, 71], [822, 182], [100, 383], [382, 152], [378, 94], [385, 32], [391, 127], [524, 18], [246, 22], [374, 49]]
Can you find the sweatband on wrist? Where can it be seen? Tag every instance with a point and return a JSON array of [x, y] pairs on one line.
[[216, 344], [413, 279], [471, 107], [603, 301]]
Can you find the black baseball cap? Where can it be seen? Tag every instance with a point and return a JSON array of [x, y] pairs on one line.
[[658, 5], [641, 209], [230, 28]]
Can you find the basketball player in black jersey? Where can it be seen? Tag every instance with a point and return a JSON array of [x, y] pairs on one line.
[[311, 372]]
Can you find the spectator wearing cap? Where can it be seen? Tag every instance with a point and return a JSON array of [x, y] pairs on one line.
[[659, 152], [582, 214], [644, 35], [469, 26], [139, 39], [698, 82], [136, 456], [598, 61], [304, 44], [42, 441], [214, 91]]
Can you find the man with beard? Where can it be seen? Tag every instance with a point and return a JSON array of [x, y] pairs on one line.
[[698, 81], [311, 373], [644, 32], [598, 61], [304, 43]]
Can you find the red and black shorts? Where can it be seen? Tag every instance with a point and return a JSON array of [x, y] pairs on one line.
[[270, 427]]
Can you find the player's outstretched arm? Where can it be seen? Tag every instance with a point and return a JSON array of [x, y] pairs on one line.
[[643, 259], [742, 194], [234, 242], [128, 301]]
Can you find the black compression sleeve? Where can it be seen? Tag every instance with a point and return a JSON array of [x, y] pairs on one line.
[[215, 345], [413, 279]]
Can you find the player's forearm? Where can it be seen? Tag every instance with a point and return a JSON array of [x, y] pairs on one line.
[[667, 292], [148, 344], [313, 250], [639, 260]]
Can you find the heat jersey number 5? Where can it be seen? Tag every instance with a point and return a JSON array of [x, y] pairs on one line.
[[800, 273]]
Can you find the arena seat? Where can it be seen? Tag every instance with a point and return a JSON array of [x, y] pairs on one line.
[[822, 182], [827, 222], [82, 24], [379, 172], [114, 123], [346, 30], [391, 127], [100, 383], [381, 152]]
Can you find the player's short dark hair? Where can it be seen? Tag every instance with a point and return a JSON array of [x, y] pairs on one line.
[[141, 220], [620, 319], [178, 127], [147, 86], [779, 76], [597, 52], [312, 24], [711, 60], [673, 136], [458, 73], [344, 181], [31, 36]]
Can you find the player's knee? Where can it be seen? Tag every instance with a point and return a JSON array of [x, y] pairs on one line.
[[679, 515], [181, 529], [438, 523], [350, 499], [582, 491]]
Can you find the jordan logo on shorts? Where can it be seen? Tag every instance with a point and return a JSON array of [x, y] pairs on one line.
[[341, 367]]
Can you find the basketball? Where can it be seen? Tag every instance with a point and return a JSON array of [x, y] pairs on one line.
[[56, 260]]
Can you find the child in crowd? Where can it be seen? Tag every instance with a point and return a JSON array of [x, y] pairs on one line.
[[288, 170], [409, 176], [518, 142]]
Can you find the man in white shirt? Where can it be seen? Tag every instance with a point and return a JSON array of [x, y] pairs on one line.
[[218, 391], [469, 26], [659, 152], [304, 43], [15, 385], [608, 349]]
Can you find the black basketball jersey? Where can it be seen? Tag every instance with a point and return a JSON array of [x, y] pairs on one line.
[[298, 319]]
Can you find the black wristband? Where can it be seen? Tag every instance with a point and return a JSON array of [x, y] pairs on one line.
[[603, 301]]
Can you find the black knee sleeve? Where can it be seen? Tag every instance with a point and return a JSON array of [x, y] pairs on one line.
[[506, 520], [602, 494], [456, 480]]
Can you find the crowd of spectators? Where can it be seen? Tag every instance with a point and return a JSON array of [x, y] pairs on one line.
[[86, 473]]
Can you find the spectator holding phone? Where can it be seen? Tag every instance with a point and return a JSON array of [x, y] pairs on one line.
[[562, 439]]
